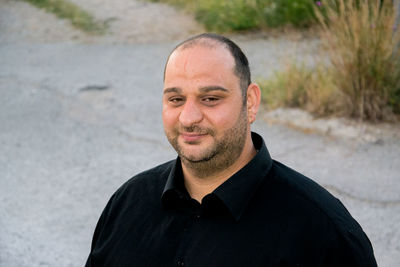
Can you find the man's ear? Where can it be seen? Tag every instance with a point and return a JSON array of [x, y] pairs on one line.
[[253, 101]]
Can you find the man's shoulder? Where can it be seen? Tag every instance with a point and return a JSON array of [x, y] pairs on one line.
[[149, 181], [322, 208], [313, 196], [155, 173]]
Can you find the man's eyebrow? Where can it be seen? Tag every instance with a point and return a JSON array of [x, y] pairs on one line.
[[207, 89], [172, 90]]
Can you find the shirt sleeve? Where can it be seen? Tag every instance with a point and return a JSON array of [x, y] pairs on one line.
[[351, 248], [98, 231]]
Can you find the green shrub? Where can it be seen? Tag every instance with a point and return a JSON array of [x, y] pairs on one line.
[[298, 13], [232, 15], [238, 15], [79, 18]]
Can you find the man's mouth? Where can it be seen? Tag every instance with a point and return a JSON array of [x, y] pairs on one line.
[[191, 137]]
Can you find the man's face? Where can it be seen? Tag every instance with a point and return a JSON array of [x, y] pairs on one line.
[[203, 113]]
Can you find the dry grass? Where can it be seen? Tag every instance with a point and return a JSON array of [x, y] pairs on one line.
[[302, 87], [361, 40], [362, 79]]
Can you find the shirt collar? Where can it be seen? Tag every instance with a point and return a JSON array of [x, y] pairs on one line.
[[235, 192]]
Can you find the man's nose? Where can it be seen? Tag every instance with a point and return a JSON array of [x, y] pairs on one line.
[[190, 114]]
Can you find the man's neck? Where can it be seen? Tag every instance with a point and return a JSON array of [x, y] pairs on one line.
[[198, 187]]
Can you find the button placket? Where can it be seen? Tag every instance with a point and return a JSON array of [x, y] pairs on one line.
[[188, 227]]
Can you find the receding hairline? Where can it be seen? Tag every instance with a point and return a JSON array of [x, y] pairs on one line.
[[199, 41], [203, 41]]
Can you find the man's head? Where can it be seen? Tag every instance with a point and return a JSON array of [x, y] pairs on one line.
[[207, 108], [241, 69]]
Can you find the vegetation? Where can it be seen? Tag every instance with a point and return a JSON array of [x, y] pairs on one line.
[[237, 15], [299, 86], [64, 9], [360, 38], [363, 77]]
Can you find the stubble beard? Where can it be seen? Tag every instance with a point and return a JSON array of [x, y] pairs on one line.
[[220, 155]]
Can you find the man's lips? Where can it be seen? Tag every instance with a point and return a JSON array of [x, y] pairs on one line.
[[190, 137]]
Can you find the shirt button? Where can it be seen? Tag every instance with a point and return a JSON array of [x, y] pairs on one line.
[[181, 263]]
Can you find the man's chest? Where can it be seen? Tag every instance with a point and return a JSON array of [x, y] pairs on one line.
[[195, 240]]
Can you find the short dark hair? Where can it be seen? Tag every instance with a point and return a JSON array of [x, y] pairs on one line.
[[242, 69]]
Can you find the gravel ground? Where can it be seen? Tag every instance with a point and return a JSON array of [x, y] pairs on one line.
[[129, 21], [79, 117], [22, 23]]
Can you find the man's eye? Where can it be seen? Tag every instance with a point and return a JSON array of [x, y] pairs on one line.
[[175, 99], [210, 99]]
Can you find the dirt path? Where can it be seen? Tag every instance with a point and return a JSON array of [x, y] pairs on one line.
[[130, 21], [20, 22]]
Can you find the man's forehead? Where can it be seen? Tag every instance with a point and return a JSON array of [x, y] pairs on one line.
[[199, 43], [199, 55], [202, 44], [205, 68]]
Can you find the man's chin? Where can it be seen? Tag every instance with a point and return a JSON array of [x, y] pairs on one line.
[[194, 159], [196, 153]]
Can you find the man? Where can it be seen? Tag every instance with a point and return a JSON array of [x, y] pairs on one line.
[[223, 201]]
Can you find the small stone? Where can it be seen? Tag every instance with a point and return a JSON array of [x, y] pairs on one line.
[[95, 88]]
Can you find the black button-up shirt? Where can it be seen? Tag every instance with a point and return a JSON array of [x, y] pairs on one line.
[[264, 215]]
